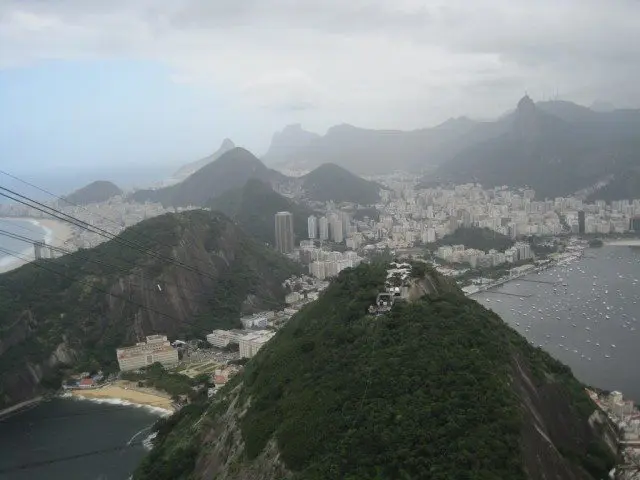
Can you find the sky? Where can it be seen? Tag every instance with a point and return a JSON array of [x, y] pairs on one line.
[[97, 85]]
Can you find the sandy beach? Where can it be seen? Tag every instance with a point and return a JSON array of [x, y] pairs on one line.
[[57, 233], [125, 391]]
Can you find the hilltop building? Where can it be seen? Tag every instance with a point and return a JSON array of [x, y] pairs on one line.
[[156, 349]]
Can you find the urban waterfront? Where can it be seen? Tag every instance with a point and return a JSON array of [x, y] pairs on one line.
[[586, 314], [67, 439]]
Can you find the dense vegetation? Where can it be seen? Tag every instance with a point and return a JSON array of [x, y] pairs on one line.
[[95, 192], [475, 237], [331, 182], [339, 388], [158, 377], [422, 392], [67, 301], [254, 207], [231, 170], [175, 449]]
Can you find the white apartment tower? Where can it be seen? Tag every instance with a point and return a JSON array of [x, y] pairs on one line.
[[336, 225], [323, 226], [312, 226]]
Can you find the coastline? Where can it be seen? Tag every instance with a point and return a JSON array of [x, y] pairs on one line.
[[555, 263], [56, 234], [124, 393]]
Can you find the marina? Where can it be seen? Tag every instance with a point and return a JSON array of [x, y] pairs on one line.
[[584, 313]]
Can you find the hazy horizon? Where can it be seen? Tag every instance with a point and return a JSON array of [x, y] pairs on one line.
[[85, 85]]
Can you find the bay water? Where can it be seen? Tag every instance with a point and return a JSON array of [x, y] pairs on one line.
[[586, 314]]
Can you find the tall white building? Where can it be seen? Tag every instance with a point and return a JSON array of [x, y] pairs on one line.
[[336, 225], [323, 227], [312, 226]]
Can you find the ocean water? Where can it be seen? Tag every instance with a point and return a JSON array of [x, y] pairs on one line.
[[25, 228], [69, 439], [588, 316]]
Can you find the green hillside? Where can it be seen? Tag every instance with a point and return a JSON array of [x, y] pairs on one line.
[[332, 182], [254, 207], [84, 305], [438, 389]]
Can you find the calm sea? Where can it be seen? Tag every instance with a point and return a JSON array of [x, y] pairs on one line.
[[588, 317], [68, 439], [24, 228]]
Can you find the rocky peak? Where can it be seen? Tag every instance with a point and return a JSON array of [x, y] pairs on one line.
[[227, 144], [526, 122]]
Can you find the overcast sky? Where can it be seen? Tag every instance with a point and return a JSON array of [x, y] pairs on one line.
[[88, 82]]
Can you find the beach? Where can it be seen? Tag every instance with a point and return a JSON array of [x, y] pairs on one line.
[[123, 391], [56, 234]]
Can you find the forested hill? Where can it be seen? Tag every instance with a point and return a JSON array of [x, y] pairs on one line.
[[254, 207], [95, 192], [440, 389], [203, 272], [332, 182], [231, 170]]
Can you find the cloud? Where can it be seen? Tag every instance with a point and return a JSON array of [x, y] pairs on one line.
[[378, 63]]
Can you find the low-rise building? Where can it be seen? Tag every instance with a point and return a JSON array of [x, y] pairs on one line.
[[156, 349], [252, 342], [222, 338]]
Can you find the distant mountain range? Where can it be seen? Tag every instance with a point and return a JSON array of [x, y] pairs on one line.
[[366, 151], [233, 169], [557, 148], [254, 206], [95, 192]]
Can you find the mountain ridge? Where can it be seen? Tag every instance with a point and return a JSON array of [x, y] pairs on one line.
[[231, 170], [368, 151], [190, 168], [580, 146]]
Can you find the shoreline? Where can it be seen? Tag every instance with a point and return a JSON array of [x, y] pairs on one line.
[[56, 234], [120, 393], [533, 271]]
